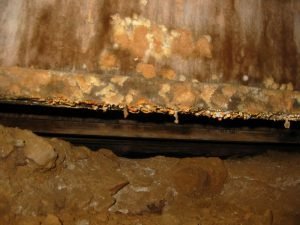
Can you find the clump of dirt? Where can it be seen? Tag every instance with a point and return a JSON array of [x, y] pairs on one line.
[[50, 182]]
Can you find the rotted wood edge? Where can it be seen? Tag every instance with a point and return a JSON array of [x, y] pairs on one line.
[[135, 94]]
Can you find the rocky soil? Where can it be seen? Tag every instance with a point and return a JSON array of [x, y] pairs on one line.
[[50, 182]]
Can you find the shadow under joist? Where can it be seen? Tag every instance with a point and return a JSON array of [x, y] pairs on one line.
[[138, 137]]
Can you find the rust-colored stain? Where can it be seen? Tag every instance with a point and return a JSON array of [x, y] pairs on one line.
[[168, 73], [135, 42], [183, 96], [203, 47], [240, 41], [254, 43], [145, 39], [183, 44], [147, 70], [109, 61]]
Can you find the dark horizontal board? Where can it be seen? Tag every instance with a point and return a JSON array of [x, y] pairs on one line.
[[140, 148], [121, 128]]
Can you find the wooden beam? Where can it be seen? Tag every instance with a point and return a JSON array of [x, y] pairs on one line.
[[126, 129]]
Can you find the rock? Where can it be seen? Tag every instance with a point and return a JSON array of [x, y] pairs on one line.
[[83, 222], [118, 187], [268, 217], [60, 199], [5, 149], [100, 218], [37, 149], [170, 219], [81, 153], [6, 142], [196, 176], [61, 148], [102, 188], [159, 182], [51, 220], [189, 180], [108, 153], [29, 221], [19, 143], [20, 159], [4, 205]]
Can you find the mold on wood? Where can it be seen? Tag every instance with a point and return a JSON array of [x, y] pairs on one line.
[[239, 42], [129, 93], [222, 59]]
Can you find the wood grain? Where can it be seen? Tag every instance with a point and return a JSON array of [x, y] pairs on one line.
[[253, 41], [126, 129]]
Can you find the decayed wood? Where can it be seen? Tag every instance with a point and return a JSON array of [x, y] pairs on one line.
[[216, 58], [250, 42], [134, 94]]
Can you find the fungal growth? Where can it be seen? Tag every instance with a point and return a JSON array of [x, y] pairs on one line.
[[145, 39]]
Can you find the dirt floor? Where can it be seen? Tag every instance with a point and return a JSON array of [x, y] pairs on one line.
[[50, 182]]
